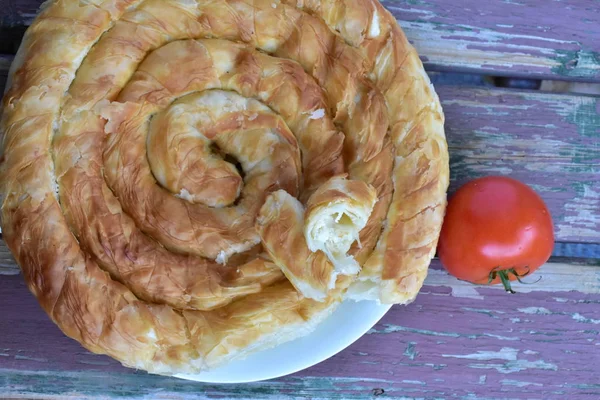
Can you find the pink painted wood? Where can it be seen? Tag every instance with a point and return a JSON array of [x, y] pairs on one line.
[[530, 38], [440, 346], [549, 141]]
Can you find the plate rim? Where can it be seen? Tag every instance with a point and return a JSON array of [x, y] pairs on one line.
[[378, 312]]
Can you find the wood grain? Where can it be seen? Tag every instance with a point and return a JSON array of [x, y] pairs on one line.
[[491, 345], [526, 38]]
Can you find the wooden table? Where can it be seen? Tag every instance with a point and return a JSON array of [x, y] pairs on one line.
[[456, 340]]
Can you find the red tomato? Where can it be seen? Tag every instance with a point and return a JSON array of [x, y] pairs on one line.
[[496, 229]]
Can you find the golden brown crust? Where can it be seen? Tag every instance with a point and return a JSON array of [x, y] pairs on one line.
[[129, 269]]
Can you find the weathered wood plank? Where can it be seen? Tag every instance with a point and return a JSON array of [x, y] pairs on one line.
[[545, 39], [548, 141], [491, 345]]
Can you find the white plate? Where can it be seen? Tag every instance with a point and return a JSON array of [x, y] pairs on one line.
[[348, 322]]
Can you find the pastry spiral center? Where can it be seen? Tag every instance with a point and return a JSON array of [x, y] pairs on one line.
[[177, 84], [188, 143]]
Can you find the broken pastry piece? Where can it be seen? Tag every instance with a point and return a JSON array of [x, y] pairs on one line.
[[335, 214], [311, 247]]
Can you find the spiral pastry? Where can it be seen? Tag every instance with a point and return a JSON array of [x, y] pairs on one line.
[[188, 181]]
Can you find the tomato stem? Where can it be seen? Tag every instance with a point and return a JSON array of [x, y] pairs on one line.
[[504, 277], [505, 280]]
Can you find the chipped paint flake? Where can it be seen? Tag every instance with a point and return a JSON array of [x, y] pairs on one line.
[[508, 354], [580, 318], [535, 310], [28, 358], [505, 353], [582, 218], [414, 382], [410, 351], [517, 366], [560, 300], [511, 382]]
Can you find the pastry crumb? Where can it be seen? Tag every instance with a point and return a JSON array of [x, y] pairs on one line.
[[221, 258], [184, 194], [317, 114]]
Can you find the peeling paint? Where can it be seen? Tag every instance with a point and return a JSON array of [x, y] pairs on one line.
[[410, 351], [580, 318], [28, 358], [583, 216], [561, 300], [444, 36], [544, 311], [414, 382], [489, 313], [388, 328], [506, 353], [510, 382], [535, 310], [517, 366]]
